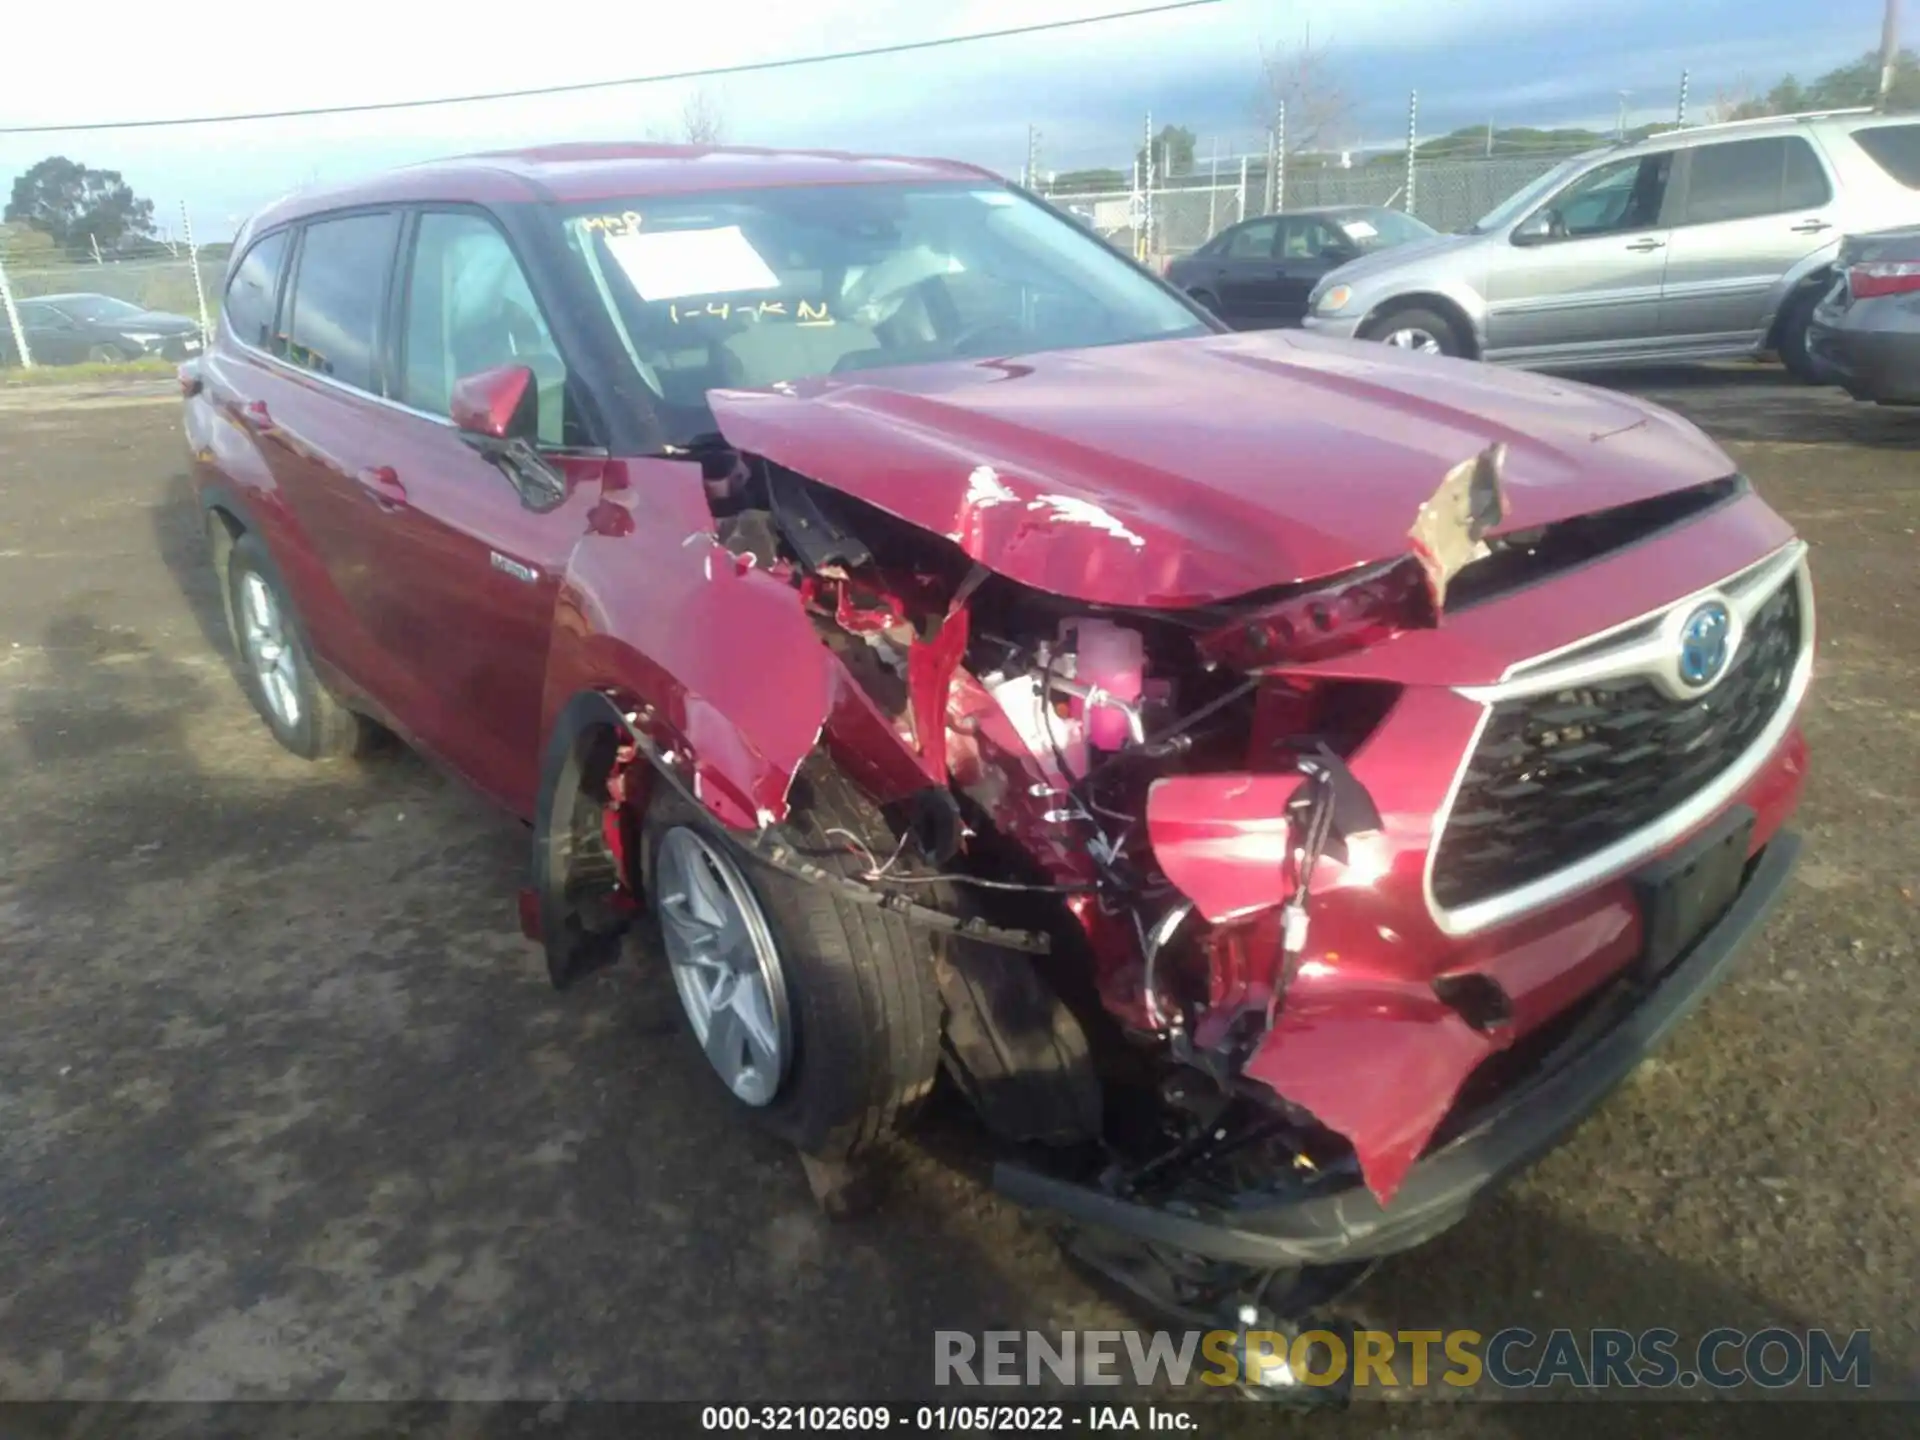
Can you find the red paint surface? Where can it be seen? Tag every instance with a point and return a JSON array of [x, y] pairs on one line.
[[1190, 470]]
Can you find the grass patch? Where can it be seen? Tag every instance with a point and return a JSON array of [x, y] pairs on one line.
[[70, 374]]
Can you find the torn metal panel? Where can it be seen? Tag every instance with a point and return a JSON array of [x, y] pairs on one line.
[[1449, 533], [1375, 1059]]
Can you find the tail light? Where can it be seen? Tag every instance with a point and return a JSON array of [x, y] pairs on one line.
[[1884, 277], [1334, 619]]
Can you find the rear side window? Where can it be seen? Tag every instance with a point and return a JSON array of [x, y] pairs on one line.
[[1895, 149], [339, 289], [1739, 179], [251, 292]]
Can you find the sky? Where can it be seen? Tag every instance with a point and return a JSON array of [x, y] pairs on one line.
[[1088, 90]]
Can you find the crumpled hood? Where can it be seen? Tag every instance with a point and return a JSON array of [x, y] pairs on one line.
[[1180, 472]]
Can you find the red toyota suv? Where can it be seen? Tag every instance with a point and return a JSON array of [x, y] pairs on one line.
[[1284, 784]]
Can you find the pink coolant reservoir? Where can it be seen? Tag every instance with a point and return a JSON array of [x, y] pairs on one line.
[[1112, 659]]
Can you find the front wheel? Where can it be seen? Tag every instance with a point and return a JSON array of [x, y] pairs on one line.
[[821, 1016], [1425, 331]]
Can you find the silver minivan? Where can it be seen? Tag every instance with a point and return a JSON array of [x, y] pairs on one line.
[[1692, 245]]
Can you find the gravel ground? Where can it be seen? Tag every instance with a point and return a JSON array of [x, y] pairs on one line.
[[288, 1109]]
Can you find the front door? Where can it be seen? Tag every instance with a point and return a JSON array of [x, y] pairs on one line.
[[1749, 211], [1248, 276], [1584, 272]]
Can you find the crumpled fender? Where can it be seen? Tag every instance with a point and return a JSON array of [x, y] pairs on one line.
[[1376, 1059], [718, 659]]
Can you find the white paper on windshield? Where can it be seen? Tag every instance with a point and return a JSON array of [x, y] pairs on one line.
[[669, 264], [1359, 229]]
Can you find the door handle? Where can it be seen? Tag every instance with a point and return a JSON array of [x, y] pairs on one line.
[[381, 482], [1646, 246], [1811, 227]]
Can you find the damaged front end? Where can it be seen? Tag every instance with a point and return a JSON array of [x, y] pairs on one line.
[[1089, 745]]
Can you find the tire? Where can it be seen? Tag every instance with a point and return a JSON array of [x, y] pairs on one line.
[[861, 1004], [106, 355], [312, 724], [1790, 335], [1414, 321]]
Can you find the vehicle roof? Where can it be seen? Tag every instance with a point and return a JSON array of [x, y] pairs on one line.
[[67, 295], [570, 174], [1838, 122]]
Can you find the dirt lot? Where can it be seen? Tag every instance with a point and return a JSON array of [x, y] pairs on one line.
[[288, 1108]]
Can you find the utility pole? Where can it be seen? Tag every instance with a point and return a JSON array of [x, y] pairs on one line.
[[1413, 131], [1489, 139], [199, 286], [1270, 200], [1620, 118], [1213, 191], [1681, 118], [1280, 160], [1146, 230], [1031, 177], [13, 321], [1889, 50], [1243, 188]]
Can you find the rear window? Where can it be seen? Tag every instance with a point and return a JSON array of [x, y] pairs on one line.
[[250, 294], [1742, 178], [339, 288], [1895, 149]]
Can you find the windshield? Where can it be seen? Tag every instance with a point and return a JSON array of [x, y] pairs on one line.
[[99, 308], [754, 288], [1526, 197]]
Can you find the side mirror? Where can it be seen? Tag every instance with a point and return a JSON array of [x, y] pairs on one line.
[[1536, 229], [501, 404]]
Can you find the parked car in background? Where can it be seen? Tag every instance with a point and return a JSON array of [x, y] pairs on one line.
[[960, 652], [1691, 245], [1260, 272], [69, 329], [1866, 332]]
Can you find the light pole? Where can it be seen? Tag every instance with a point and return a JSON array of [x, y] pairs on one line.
[[1620, 122]]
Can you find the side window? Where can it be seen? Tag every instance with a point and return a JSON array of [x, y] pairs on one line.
[[1303, 238], [469, 308], [1253, 241], [339, 288], [1625, 195], [1738, 179], [1895, 149], [250, 294]]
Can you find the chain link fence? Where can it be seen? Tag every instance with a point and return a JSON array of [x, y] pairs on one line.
[[147, 300], [1175, 220]]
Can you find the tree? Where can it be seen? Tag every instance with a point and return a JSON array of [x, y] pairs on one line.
[[1086, 182], [1855, 84], [1172, 153], [702, 122], [74, 204], [1302, 79]]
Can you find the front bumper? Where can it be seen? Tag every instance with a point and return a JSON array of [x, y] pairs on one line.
[[1339, 327], [1511, 1133]]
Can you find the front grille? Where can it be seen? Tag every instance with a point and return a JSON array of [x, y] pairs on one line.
[[1558, 777]]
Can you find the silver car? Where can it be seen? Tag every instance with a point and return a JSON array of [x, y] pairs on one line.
[[1692, 245]]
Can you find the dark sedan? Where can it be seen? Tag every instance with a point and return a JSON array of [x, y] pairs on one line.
[[1260, 272], [69, 329], [1865, 335]]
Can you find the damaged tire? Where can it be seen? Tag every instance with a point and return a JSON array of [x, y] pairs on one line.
[[821, 1015], [276, 665]]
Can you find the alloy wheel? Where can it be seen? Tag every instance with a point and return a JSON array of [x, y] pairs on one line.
[[270, 651]]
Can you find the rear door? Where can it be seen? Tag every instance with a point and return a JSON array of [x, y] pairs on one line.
[[1247, 276], [1582, 274], [1747, 212], [464, 572]]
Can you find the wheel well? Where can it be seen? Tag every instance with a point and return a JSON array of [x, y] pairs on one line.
[[1439, 304], [223, 532], [1816, 281]]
